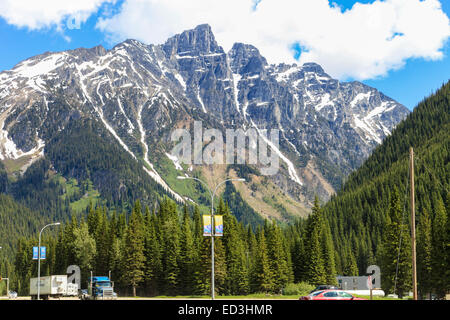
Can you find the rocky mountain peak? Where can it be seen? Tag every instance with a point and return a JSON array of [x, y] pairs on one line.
[[197, 41], [138, 92], [245, 58], [313, 67]]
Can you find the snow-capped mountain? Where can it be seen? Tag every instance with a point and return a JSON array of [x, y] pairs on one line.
[[140, 92]]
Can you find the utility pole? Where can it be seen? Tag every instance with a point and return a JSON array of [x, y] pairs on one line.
[[413, 224]]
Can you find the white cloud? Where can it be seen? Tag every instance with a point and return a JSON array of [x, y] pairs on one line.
[[364, 42], [42, 14]]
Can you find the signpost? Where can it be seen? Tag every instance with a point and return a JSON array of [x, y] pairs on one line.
[[370, 285]]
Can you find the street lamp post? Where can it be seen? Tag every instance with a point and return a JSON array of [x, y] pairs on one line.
[[1, 278], [212, 194], [39, 258]]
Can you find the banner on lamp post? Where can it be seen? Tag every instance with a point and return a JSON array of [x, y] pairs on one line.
[[35, 253], [218, 226], [207, 226]]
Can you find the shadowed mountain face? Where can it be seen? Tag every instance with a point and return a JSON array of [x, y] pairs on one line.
[[139, 93]]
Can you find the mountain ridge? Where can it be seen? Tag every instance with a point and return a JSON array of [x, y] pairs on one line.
[[138, 92]]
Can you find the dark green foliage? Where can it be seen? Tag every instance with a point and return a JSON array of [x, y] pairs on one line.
[[163, 252], [241, 210], [16, 221], [360, 226], [424, 254], [133, 255], [360, 215], [395, 252], [85, 150]]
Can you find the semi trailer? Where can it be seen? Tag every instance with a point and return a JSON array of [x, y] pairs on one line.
[[55, 286]]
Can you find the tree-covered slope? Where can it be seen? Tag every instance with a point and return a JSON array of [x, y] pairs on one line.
[[85, 150], [358, 214], [82, 164]]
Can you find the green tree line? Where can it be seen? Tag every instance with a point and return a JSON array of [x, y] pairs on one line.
[[163, 252]]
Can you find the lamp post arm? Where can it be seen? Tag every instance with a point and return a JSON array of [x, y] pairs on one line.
[[202, 182], [217, 186], [39, 258]]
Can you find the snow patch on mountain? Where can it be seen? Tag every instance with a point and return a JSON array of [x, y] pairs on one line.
[[291, 168]]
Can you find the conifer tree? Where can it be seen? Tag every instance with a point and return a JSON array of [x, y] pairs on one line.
[[424, 254], [439, 248], [187, 254], [84, 249], [350, 267], [102, 240], [133, 257], [396, 250], [220, 268], [202, 273], [262, 277], [298, 260], [237, 268], [170, 237], [328, 255], [315, 271], [277, 258], [152, 252]]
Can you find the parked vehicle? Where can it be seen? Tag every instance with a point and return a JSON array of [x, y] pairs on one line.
[[330, 295], [98, 288], [12, 295], [324, 287], [52, 286]]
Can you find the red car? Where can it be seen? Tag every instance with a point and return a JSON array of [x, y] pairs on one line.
[[330, 295]]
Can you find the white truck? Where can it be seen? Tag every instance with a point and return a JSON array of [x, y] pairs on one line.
[[52, 286]]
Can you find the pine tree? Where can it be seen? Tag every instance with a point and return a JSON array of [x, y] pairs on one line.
[[262, 277], [170, 237], [315, 271], [328, 255], [152, 252], [202, 273], [134, 259], [277, 258], [187, 254], [236, 256], [84, 249], [350, 267], [424, 254], [220, 268], [102, 240], [202, 264], [396, 250], [298, 260], [439, 248]]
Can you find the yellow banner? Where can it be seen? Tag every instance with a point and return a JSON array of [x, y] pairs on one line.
[[207, 226], [218, 226]]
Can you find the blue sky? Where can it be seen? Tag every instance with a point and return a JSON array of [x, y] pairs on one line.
[[407, 80], [418, 79]]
